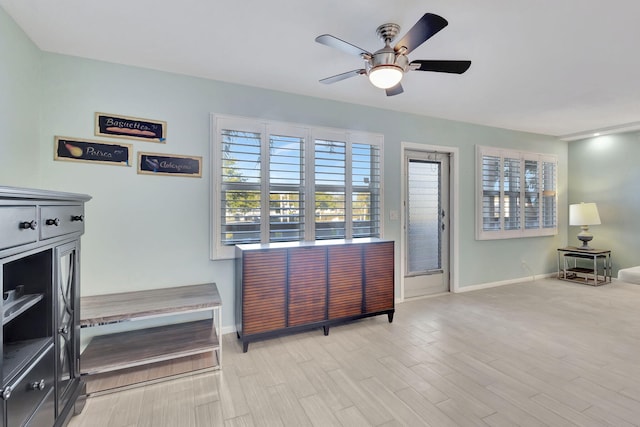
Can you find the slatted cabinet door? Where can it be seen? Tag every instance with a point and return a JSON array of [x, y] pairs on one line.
[[379, 272], [264, 288], [307, 285], [345, 281]]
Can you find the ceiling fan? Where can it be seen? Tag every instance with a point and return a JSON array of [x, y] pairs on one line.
[[387, 66]]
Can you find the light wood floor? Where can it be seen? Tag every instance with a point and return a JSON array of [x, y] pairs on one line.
[[542, 353]]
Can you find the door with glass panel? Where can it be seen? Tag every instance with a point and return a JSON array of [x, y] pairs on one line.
[[426, 269]]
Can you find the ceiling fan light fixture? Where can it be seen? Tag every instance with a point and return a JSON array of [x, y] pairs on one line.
[[385, 76]]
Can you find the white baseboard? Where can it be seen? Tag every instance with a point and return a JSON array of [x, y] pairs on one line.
[[228, 330], [525, 279]]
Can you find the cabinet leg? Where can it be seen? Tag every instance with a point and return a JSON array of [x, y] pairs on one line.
[[326, 330], [245, 346], [390, 315], [238, 334]]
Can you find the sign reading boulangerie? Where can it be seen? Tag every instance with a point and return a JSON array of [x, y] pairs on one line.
[[88, 150], [130, 127], [169, 164]]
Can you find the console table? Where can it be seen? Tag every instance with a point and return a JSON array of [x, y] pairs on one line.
[[115, 361], [587, 266]]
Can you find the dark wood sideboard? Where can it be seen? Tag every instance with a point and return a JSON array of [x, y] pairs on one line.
[[290, 287]]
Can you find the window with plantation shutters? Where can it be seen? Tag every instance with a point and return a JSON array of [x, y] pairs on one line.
[[278, 182], [516, 194]]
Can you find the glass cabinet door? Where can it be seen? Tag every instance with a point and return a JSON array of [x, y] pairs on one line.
[[66, 302]]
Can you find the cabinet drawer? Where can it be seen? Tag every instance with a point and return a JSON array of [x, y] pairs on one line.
[[30, 389], [14, 226], [45, 415], [59, 220]]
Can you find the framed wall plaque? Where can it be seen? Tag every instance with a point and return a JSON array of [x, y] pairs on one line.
[[169, 164], [130, 127], [88, 150]]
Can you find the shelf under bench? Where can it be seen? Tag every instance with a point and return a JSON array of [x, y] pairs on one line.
[[123, 379], [143, 346]]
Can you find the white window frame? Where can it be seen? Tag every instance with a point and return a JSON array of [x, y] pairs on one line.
[[310, 134], [522, 231]]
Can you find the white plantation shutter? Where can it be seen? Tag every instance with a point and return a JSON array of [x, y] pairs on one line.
[[286, 188], [491, 175], [365, 190], [531, 194], [511, 190], [516, 194], [241, 186], [549, 199], [330, 189], [423, 216]]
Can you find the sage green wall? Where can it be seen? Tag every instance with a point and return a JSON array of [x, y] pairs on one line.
[[19, 97], [605, 170], [153, 231]]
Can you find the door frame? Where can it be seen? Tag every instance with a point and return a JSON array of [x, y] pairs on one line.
[[454, 187]]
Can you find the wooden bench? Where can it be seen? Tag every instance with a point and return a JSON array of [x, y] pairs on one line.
[[117, 360]]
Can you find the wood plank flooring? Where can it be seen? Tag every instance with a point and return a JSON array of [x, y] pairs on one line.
[[541, 353]]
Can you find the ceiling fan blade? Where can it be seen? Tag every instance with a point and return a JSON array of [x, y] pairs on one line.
[[455, 67], [331, 41], [422, 31], [396, 90], [343, 76]]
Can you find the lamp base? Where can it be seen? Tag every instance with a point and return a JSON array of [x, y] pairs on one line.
[[585, 239]]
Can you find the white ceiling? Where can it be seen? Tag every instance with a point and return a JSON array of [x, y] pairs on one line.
[[555, 67]]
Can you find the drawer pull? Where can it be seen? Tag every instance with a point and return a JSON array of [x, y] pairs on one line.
[[54, 221], [38, 385], [77, 218], [29, 225]]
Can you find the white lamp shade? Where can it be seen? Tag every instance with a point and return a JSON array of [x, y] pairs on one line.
[[584, 214], [385, 76]]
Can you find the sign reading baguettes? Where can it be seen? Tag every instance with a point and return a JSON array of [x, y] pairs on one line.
[[88, 150], [169, 164], [130, 127]]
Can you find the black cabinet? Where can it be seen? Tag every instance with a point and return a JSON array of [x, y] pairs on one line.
[[39, 261]]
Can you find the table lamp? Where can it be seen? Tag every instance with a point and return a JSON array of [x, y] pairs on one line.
[[584, 215]]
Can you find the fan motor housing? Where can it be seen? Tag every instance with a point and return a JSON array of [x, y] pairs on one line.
[[387, 56]]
